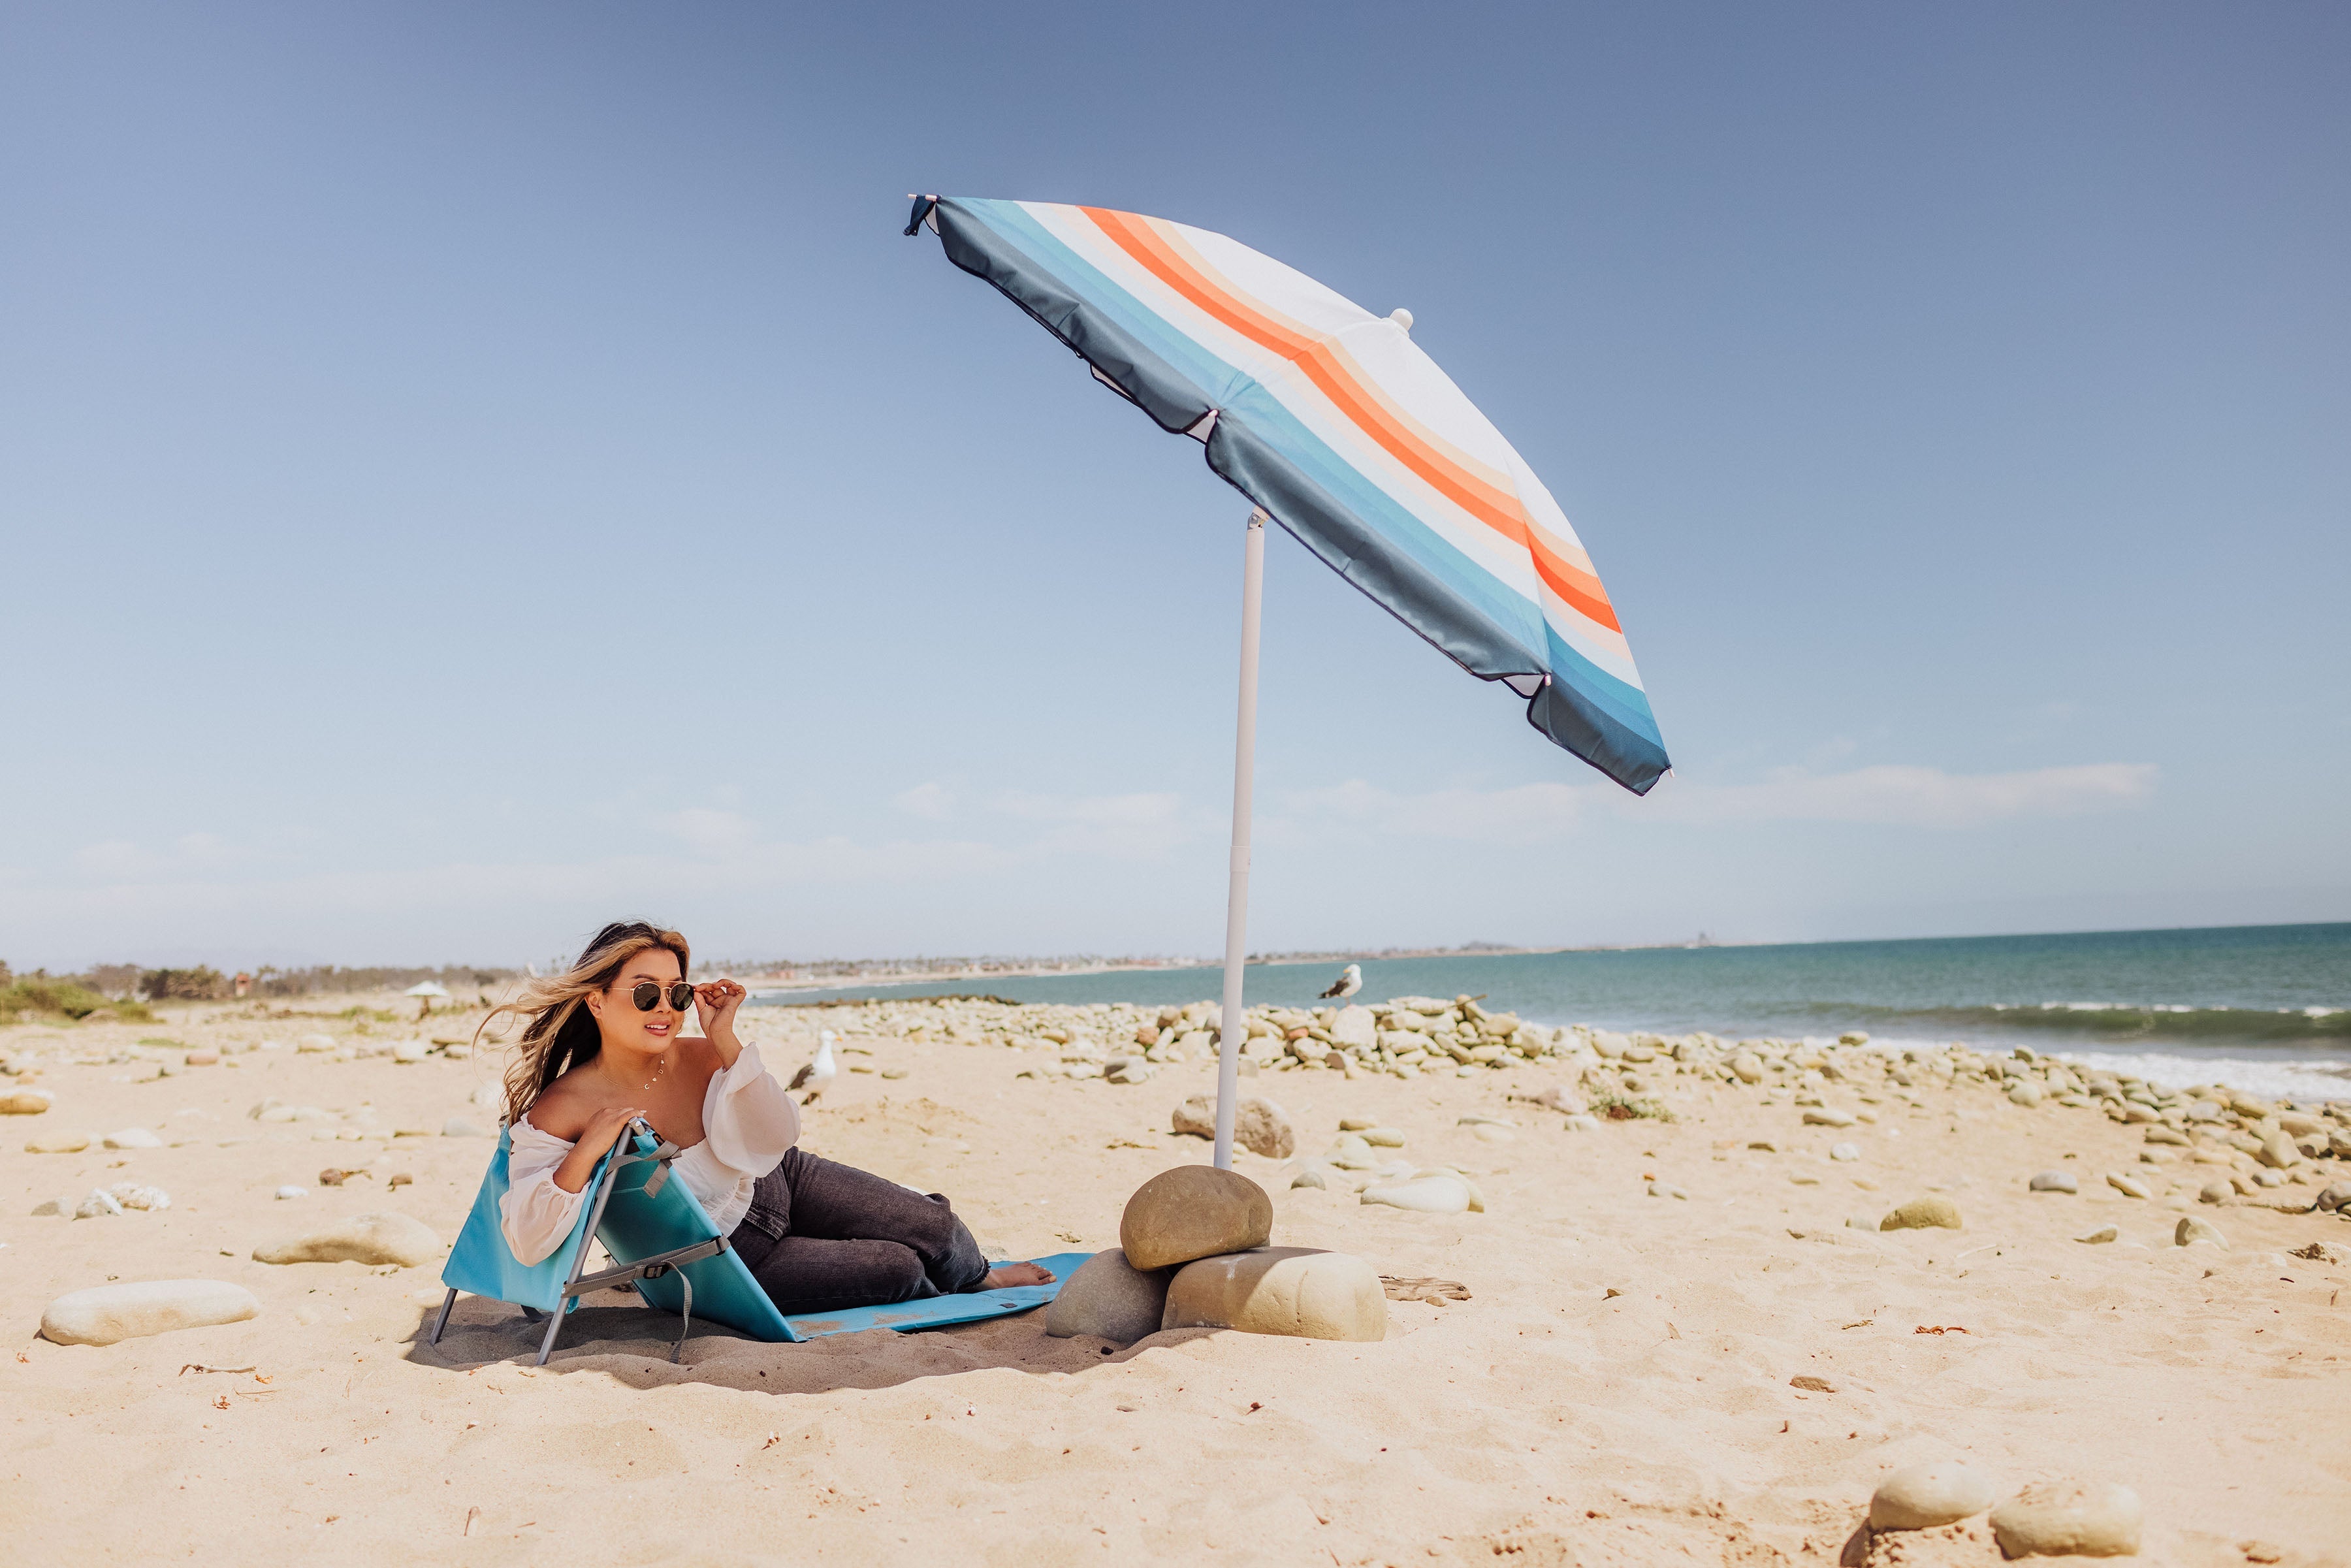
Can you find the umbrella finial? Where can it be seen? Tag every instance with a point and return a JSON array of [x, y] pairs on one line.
[[1402, 318]]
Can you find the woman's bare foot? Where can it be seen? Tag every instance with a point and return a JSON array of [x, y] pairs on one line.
[[1008, 1275]]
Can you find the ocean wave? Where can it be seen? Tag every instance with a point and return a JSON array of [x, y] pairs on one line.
[[2304, 1082], [2115, 1021]]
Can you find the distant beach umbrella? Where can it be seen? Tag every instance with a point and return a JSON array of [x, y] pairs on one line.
[[1335, 424], [427, 988]]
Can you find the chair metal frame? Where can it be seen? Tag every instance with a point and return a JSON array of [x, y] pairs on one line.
[[651, 1268]]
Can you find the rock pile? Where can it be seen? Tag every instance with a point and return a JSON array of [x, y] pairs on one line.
[[1612, 1076], [1406, 1037], [1193, 1254]]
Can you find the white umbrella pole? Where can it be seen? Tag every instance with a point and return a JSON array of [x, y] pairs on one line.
[[1235, 1028]]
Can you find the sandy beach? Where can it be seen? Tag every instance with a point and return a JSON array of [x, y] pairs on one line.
[[1616, 1389]]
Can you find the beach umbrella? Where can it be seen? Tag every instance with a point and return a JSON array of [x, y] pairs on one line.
[[426, 989], [1337, 426]]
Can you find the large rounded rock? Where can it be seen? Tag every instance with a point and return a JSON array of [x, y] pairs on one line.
[[1109, 1297], [1923, 1214], [1259, 1126], [371, 1239], [2056, 1181], [58, 1144], [2058, 1519], [1292, 1290], [106, 1313], [1194, 1211], [24, 1102], [1923, 1497]]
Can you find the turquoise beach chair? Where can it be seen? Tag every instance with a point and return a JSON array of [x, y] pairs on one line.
[[657, 1234], [660, 1238]]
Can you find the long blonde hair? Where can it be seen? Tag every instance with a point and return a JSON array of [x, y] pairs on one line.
[[562, 1033]]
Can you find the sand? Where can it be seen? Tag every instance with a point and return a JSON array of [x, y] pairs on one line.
[[1616, 1390]]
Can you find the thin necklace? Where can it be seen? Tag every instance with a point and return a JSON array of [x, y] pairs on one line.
[[659, 1067]]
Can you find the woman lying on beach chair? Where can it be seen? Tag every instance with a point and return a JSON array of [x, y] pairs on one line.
[[602, 1047]]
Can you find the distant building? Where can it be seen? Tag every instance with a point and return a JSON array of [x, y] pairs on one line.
[[243, 984]]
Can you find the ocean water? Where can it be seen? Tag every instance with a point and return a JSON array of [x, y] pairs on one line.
[[2261, 1007]]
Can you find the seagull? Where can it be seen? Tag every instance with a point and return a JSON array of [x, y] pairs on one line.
[[1350, 981], [814, 1076]]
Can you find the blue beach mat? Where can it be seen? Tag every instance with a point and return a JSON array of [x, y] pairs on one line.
[[663, 1242], [938, 1312]]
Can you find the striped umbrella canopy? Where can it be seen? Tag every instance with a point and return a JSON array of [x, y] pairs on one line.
[[1333, 421]]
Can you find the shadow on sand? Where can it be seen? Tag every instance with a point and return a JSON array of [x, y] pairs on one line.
[[614, 1334]]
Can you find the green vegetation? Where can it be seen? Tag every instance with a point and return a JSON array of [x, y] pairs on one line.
[[123, 990], [1615, 1107], [37, 993], [457, 978], [202, 984]]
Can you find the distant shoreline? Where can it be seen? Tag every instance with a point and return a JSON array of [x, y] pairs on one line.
[[1047, 968], [857, 974]]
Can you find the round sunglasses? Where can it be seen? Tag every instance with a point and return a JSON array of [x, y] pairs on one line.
[[647, 995]]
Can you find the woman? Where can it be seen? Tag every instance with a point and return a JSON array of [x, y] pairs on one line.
[[603, 1047]]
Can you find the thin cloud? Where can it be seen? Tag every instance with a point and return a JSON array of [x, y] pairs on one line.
[[931, 801], [1366, 811], [116, 860], [710, 830], [1886, 795], [1913, 796], [1143, 826]]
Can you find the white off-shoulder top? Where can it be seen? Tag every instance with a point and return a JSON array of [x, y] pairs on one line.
[[748, 1123]]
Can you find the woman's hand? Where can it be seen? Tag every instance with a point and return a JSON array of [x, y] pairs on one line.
[[716, 1004], [603, 1130]]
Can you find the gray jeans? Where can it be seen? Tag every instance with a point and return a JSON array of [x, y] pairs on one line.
[[820, 1235]]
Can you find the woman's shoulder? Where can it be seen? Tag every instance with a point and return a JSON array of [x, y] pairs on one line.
[[565, 1107]]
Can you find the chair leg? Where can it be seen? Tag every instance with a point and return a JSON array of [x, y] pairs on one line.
[[686, 1322], [554, 1327], [442, 1321]]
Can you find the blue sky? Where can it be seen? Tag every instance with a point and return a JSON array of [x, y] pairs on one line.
[[467, 473]]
